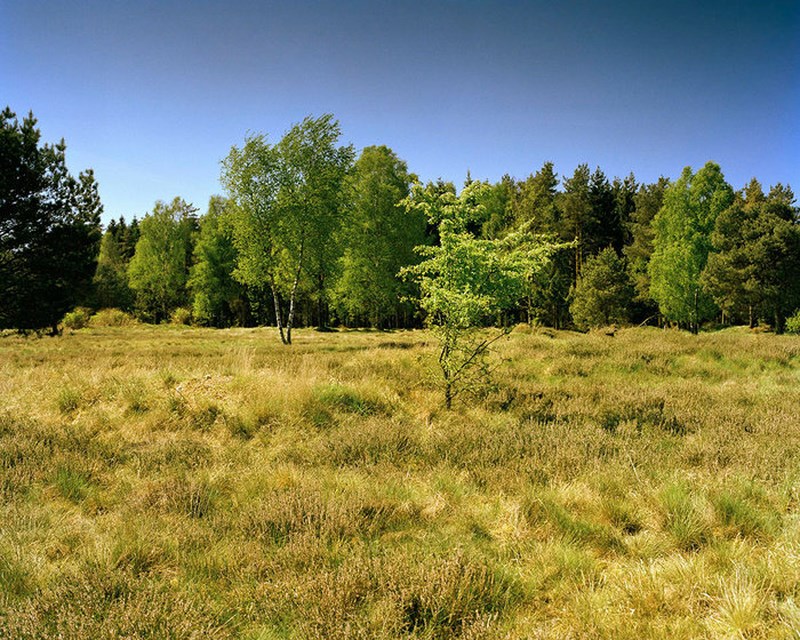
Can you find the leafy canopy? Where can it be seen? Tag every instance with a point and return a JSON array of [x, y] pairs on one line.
[[682, 242], [286, 210], [466, 282]]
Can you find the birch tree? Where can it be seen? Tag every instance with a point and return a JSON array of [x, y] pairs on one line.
[[467, 282], [285, 208]]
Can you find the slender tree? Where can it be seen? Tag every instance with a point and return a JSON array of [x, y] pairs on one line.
[[576, 207], [158, 270], [466, 282], [682, 242]]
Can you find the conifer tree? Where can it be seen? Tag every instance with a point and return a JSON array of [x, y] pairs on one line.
[[49, 229]]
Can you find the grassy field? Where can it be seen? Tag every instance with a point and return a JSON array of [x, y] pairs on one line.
[[168, 482]]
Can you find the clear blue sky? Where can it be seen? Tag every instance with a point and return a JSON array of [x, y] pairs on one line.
[[152, 95]]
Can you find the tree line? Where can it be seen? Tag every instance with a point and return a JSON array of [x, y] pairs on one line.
[[308, 233]]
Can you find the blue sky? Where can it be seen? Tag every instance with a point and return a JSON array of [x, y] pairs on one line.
[[152, 95]]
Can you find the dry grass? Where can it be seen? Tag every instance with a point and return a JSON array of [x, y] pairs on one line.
[[178, 483]]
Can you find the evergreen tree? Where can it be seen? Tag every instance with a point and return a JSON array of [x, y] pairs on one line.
[[647, 202], [756, 264], [603, 293], [537, 209], [49, 229], [111, 278], [576, 209], [604, 226], [624, 204], [778, 256], [127, 237], [535, 202]]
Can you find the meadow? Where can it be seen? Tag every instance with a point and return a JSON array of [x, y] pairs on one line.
[[174, 482]]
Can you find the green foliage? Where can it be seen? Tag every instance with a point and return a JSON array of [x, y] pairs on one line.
[[217, 297], [49, 229], [682, 242], [286, 211], [603, 294], [498, 203], [111, 318], [535, 203], [755, 268], [793, 323], [78, 318], [466, 282], [378, 238], [126, 236], [111, 278], [158, 270], [647, 202], [577, 219], [181, 315]]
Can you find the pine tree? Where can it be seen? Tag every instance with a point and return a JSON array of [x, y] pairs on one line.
[[49, 229]]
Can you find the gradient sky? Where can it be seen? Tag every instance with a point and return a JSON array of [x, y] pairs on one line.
[[152, 95]]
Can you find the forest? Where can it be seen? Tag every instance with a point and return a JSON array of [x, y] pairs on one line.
[[308, 233]]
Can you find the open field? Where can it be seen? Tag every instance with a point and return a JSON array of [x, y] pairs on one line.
[[168, 482]]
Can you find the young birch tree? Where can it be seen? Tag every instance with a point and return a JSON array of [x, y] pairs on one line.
[[466, 283]]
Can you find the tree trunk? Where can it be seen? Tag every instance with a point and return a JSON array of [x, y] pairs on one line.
[[278, 320], [779, 322], [293, 295]]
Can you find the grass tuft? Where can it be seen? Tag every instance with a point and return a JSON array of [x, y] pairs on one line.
[[685, 517], [69, 400]]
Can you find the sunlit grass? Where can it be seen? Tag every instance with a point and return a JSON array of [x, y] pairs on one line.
[[188, 483]]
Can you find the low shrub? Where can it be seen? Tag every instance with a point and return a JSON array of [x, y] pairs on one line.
[[181, 315], [793, 323], [112, 318], [76, 319]]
